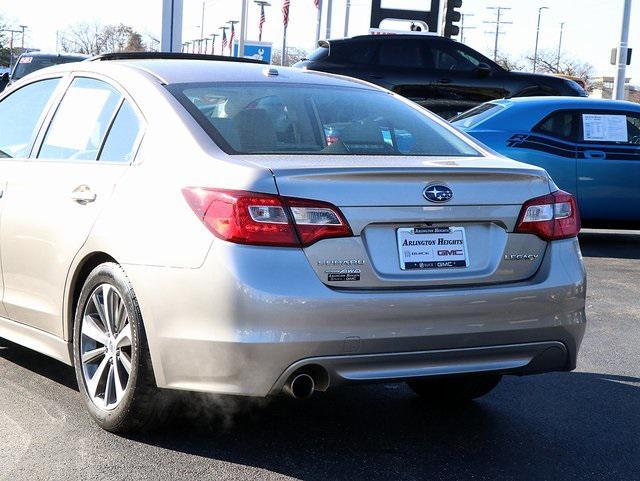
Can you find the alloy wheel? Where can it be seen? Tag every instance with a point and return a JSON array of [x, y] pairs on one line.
[[106, 347]]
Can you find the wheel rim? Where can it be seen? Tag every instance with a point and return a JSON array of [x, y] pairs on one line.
[[105, 347]]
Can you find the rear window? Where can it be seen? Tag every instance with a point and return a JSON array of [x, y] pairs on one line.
[[479, 114], [261, 118]]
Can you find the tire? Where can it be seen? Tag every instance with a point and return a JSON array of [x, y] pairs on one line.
[[455, 390], [125, 360]]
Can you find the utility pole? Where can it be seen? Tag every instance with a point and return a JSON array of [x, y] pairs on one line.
[[347, 13], [329, 15], [535, 50], [318, 22], [619, 81], [498, 22], [559, 47], [22, 28], [462, 27]]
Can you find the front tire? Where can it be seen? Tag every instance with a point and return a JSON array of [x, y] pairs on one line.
[[111, 355], [454, 390]]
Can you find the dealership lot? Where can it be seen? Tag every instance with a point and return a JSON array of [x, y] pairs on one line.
[[580, 425]]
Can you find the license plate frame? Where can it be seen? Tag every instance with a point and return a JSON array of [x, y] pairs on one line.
[[430, 257]]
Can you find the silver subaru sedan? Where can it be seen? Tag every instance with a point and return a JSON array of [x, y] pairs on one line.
[[169, 223]]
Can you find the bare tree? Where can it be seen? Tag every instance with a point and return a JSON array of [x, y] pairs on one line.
[[567, 65], [509, 63], [294, 54], [94, 39]]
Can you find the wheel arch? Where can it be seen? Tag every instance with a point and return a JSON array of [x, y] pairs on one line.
[[80, 274]]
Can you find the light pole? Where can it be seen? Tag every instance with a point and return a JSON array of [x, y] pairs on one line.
[[318, 22], [347, 13], [559, 47], [618, 83], [535, 51]]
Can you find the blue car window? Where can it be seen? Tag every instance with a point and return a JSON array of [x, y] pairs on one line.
[[609, 132], [560, 124]]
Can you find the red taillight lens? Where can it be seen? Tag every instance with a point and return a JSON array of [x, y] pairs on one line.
[[550, 217], [265, 219]]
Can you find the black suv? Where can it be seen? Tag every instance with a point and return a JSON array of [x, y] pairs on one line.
[[440, 74]]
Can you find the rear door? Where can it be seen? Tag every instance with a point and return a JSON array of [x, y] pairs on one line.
[[609, 166], [54, 198], [460, 84], [403, 65]]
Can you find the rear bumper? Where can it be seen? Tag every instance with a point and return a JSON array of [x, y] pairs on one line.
[[250, 316], [516, 359]]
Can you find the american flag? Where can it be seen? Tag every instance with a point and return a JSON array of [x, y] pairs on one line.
[[224, 39], [231, 38], [285, 13], [262, 21]]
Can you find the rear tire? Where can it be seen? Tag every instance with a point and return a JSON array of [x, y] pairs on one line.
[[454, 390], [111, 354]]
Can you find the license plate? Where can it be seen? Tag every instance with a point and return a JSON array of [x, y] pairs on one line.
[[432, 247]]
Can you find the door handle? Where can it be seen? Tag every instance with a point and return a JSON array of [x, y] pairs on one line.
[[595, 154], [83, 194]]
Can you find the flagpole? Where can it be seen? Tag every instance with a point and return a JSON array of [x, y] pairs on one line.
[[318, 22], [284, 46]]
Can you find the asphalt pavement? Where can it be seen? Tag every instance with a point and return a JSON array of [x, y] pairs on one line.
[[582, 425]]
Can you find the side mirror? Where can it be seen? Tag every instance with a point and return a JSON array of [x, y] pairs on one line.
[[483, 70]]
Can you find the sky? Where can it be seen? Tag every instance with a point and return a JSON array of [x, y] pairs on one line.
[[591, 26]]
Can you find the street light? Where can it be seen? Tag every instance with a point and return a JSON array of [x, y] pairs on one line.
[[535, 51]]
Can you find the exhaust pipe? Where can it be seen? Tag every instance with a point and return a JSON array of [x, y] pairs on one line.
[[300, 386]]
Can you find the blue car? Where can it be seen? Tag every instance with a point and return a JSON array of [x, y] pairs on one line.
[[590, 148]]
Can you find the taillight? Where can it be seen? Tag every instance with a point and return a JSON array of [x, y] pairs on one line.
[[550, 217], [265, 219]]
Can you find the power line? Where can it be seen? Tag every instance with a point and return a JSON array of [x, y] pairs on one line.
[[497, 22]]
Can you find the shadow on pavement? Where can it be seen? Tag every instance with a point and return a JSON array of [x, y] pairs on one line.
[[38, 364], [605, 244], [555, 426]]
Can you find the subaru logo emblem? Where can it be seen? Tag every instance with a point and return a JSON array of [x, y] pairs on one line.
[[437, 193]]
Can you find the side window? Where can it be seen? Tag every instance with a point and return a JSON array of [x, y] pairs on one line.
[[408, 54], [614, 127], [19, 116], [81, 121], [559, 124], [453, 58], [121, 140]]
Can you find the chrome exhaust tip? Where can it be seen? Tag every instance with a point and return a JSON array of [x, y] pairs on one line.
[[300, 386]]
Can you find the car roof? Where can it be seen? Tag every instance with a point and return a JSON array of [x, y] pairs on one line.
[[79, 56], [175, 71], [568, 103]]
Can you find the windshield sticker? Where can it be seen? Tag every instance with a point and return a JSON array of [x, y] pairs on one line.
[[26, 59], [606, 128]]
